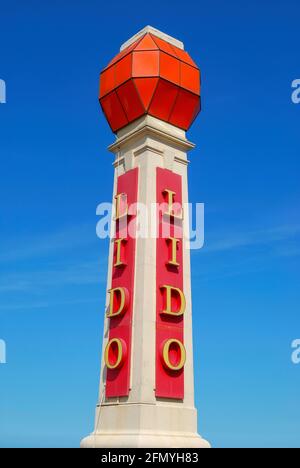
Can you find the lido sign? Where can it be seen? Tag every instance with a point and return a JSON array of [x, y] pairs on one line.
[[170, 355]]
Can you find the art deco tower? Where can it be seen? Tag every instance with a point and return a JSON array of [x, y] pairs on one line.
[[150, 95]]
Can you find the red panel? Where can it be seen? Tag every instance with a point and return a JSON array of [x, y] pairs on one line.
[[107, 81], [124, 52], [146, 43], [145, 63], [164, 46], [169, 68], [169, 384], [113, 111], [118, 380], [146, 88], [190, 78], [186, 109], [163, 100], [183, 56], [123, 70], [130, 100]]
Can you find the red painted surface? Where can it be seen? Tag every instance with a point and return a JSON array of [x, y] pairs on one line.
[[118, 380], [146, 78], [169, 384]]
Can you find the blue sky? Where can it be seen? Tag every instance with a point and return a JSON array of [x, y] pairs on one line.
[[55, 170]]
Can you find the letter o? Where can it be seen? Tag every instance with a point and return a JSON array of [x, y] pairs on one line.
[[180, 352], [115, 353]]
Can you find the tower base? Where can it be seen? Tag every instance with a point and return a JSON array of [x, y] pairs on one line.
[[121, 440], [145, 426]]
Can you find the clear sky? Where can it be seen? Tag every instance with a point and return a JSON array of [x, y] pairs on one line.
[[55, 169]]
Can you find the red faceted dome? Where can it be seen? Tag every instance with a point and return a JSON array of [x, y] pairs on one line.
[[151, 76]]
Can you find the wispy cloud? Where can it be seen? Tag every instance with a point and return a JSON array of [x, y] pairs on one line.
[[239, 239], [38, 246], [233, 253], [37, 270], [54, 287], [77, 274], [32, 305]]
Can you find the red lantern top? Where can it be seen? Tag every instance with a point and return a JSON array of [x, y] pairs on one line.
[[150, 76]]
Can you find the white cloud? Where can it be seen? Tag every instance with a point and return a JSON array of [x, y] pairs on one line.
[[234, 240]]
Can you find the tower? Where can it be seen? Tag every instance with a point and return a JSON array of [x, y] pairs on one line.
[[150, 95]]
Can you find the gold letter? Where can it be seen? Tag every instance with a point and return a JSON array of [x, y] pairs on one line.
[[120, 345], [165, 355], [118, 243], [173, 260], [168, 310], [121, 208], [124, 299], [170, 211]]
